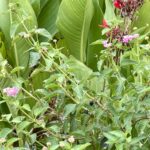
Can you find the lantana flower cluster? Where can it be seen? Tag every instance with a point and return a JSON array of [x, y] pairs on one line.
[[118, 35], [127, 8]]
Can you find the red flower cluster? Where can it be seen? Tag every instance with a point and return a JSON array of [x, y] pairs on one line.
[[104, 24], [128, 7], [118, 4]]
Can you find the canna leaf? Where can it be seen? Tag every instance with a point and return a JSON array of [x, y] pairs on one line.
[[74, 20]]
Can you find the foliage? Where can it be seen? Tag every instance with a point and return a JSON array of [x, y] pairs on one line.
[[66, 86]]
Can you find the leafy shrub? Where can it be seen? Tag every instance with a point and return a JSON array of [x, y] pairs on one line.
[[52, 100]]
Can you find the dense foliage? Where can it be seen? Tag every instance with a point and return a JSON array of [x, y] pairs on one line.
[[75, 74]]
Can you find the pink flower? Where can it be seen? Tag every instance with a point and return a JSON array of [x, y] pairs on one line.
[[106, 44], [11, 91], [128, 38]]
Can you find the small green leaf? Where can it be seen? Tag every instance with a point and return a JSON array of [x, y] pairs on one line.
[[81, 146], [18, 119], [16, 69], [26, 107], [44, 32], [39, 110], [23, 125], [33, 138], [70, 108], [4, 132], [11, 141]]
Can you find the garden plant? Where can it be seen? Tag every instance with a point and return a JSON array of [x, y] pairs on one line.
[[74, 75]]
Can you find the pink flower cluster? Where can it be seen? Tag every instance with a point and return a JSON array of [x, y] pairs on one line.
[[13, 92], [106, 44], [127, 38]]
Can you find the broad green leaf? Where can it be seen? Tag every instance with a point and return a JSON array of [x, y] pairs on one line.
[[74, 20], [43, 3], [2, 48], [95, 33], [24, 18], [109, 12], [143, 17], [36, 6], [4, 19], [48, 15]]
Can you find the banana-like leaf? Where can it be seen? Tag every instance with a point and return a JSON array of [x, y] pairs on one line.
[[4, 19], [48, 16], [43, 3], [2, 46], [109, 12], [143, 17], [36, 6], [22, 19], [94, 34], [74, 20]]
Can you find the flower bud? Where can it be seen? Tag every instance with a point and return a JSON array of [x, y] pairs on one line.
[[71, 139]]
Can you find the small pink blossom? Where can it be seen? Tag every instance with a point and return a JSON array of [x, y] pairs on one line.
[[106, 44], [128, 38], [11, 91]]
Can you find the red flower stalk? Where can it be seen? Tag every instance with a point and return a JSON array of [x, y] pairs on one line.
[[104, 24]]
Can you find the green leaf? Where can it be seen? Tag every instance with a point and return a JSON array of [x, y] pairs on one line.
[[143, 17], [44, 32], [25, 19], [36, 6], [136, 140], [109, 11], [4, 132], [39, 110], [34, 59], [69, 109], [4, 19], [97, 42], [2, 47], [11, 141], [47, 17], [16, 69], [94, 34], [74, 19], [18, 119], [26, 107], [78, 69], [81, 146], [23, 125], [33, 138]]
